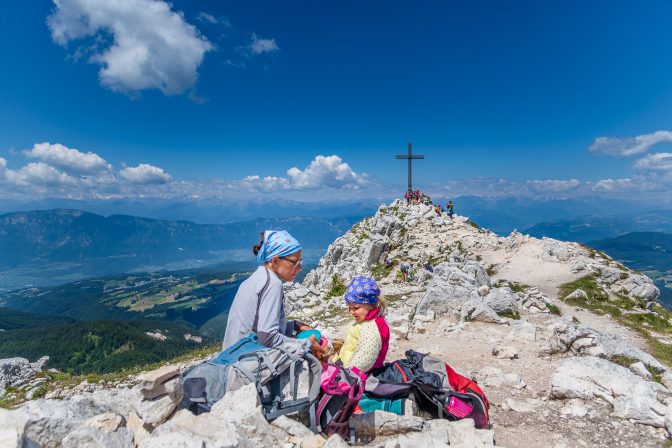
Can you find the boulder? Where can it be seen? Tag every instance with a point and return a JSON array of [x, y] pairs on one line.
[[89, 437], [477, 310], [153, 379], [50, 421], [173, 440], [19, 371], [107, 422], [381, 423], [578, 294], [12, 428], [641, 287], [639, 369], [461, 433], [452, 285], [505, 352], [206, 427], [156, 411], [170, 387], [494, 377], [502, 300], [567, 335], [592, 378]]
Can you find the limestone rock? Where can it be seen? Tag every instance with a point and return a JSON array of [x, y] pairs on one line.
[[639, 369], [566, 335], [207, 428], [495, 377], [49, 421], [505, 352], [380, 423], [238, 404], [12, 428], [578, 294], [169, 387], [151, 380], [107, 422], [19, 371], [89, 437], [590, 377], [502, 300]]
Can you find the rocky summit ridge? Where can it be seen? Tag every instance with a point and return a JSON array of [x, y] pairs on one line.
[[569, 345]]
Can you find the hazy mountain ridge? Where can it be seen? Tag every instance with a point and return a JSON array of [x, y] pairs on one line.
[[57, 246]]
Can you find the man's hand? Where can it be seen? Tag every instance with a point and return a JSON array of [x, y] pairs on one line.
[[305, 327]]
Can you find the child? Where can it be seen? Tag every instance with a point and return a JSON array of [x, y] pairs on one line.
[[367, 341]]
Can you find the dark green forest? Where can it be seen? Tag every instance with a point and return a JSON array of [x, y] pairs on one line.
[[99, 346]]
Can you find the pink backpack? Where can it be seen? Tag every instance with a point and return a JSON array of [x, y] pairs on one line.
[[341, 390]]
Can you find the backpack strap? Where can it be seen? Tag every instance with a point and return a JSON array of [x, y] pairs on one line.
[[259, 295]]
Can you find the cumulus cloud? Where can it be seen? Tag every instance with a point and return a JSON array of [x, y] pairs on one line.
[[629, 146], [259, 45], [152, 47], [614, 185], [323, 172], [145, 174], [553, 185], [661, 161], [39, 174], [69, 159]]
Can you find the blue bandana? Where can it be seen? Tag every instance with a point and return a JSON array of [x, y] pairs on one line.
[[362, 290], [277, 243]]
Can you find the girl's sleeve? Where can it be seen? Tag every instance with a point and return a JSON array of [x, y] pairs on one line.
[[368, 348]]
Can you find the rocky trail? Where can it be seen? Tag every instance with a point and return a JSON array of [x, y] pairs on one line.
[[558, 336]]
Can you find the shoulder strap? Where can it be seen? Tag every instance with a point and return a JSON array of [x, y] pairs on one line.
[[259, 295]]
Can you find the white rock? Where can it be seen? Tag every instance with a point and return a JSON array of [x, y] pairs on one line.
[[12, 428], [107, 422], [589, 378], [170, 387], [577, 294], [150, 380], [238, 404], [639, 369], [575, 408], [483, 290], [495, 377], [173, 440], [380, 423], [505, 352]]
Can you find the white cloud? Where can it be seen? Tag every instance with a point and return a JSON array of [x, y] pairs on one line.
[[39, 174], [661, 161], [145, 174], [615, 185], [69, 159], [553, 185], [259, 46], [267, 183], [629, 146], [153, 47], [209, 18], [323, 172]]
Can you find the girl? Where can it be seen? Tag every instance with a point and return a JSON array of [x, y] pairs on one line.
[[259, 303], [368, 338]]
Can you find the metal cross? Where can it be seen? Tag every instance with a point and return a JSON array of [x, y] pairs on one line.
[[410, 156]]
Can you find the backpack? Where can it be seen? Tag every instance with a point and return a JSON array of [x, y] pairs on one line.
[[341, 393], [287, 379], [436, 387]]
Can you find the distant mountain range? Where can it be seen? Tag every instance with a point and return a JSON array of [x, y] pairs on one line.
[[595, 227], [50, 247]]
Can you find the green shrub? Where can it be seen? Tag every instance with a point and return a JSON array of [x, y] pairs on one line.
[[337, 287]]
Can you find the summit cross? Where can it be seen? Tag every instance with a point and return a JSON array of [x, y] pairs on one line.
[[410, 156]]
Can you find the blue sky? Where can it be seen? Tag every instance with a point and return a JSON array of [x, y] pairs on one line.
[[190, 103]]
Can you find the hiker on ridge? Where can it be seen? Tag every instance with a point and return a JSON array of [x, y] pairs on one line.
[[259, 303], [449, 209]]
